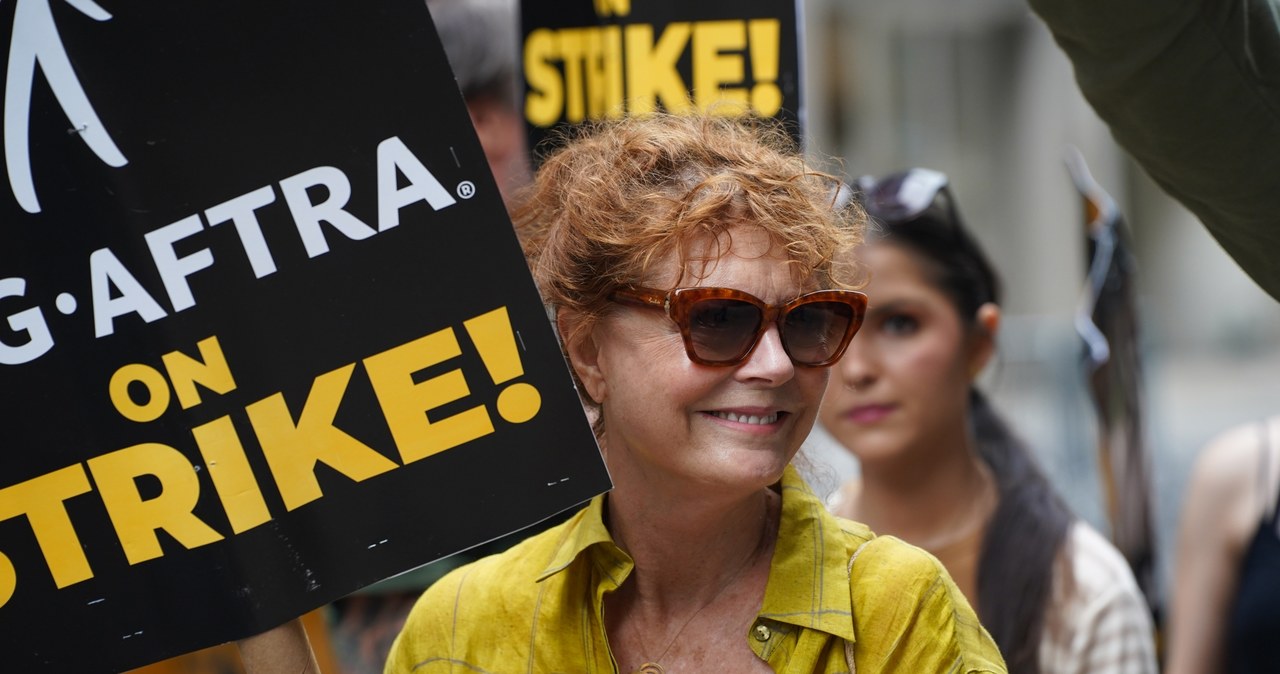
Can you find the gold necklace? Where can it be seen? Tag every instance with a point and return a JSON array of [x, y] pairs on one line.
[[979, 513], [652, 666]]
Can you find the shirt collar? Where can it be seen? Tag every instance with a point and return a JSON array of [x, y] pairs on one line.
[[585, 530], [808, 576], [809, 579]]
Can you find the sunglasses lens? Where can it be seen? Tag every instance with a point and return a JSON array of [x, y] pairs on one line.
[[813, 331], [722, 330]]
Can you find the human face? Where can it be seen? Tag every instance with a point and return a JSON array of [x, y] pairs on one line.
[[670, 419], [901, 390]]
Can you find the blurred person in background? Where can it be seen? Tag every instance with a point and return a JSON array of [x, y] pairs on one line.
[[941, 470], [480, 39], [1226, 591]]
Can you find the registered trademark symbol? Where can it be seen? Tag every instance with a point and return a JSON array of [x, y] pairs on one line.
[[466, 189]]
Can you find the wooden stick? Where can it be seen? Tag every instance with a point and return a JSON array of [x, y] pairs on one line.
[[282, 650]]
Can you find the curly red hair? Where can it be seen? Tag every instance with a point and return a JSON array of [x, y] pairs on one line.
[[620, 196]]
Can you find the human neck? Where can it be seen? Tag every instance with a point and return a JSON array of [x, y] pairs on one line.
[[683, 550], [928, 501], [700, 567]]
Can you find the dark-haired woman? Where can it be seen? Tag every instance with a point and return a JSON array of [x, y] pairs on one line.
[[941, 470]]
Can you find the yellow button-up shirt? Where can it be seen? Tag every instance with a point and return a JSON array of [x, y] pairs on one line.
[[538, 607]]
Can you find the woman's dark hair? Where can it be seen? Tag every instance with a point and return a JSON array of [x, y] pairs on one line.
[[1029, 526]]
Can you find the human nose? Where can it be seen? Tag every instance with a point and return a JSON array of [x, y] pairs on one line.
[[769, 361], [857, 367]]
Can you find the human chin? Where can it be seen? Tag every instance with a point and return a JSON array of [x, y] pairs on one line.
[[761, 443], [757, 465], [872, 445]]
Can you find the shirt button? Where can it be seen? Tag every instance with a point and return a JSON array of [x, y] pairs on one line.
[[762, 633]]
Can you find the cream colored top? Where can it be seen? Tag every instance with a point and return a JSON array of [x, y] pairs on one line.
[[1097, 620]]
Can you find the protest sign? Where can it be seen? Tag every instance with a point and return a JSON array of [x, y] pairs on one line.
[[600, 59], [266, 335]]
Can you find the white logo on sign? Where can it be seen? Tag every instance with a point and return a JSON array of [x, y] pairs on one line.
[[35, 41]]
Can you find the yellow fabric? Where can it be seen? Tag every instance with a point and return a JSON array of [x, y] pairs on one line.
[[538, 606], [961, 559]]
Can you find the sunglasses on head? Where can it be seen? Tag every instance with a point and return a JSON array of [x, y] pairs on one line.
[[722, 326], [903, 196]]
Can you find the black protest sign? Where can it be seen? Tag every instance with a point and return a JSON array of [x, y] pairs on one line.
[[266, 335], [599, 59]]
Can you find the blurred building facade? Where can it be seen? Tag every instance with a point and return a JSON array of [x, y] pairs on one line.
[[978, 89]]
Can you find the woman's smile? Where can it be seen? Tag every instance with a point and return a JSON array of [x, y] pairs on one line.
[[750, 420]]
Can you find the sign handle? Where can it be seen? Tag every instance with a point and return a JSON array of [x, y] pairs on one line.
[[281, 650]]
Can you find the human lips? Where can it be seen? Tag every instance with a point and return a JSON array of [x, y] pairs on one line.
[[869, 414]]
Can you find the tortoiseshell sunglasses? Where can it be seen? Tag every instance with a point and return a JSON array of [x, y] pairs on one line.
[[722, 326]]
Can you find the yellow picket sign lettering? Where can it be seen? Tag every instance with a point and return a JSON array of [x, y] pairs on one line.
[[292, 450], [136, 519]]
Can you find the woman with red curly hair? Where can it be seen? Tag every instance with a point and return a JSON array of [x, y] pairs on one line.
[[692, 268]]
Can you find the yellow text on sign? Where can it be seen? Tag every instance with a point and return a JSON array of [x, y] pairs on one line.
[[599, 72], [291, 447]]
